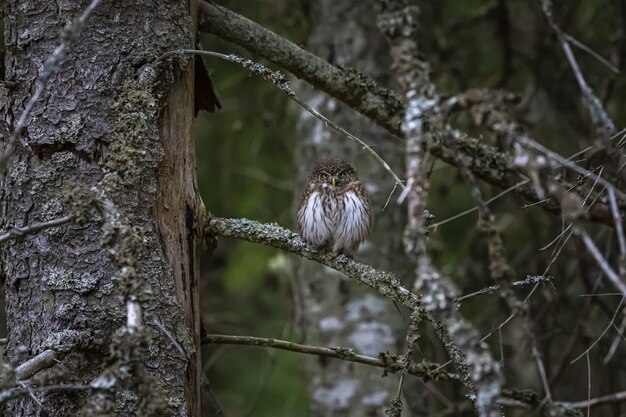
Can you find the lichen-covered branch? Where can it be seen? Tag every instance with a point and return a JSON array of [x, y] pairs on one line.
[[280, 81], [491, 110], [274, 235], [382, 105], [480, 373]]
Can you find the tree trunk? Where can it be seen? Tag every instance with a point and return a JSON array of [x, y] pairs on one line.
[[115, 127], [336, 312]]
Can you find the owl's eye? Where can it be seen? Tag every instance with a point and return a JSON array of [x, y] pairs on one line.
[[324, 177], [343, 174]]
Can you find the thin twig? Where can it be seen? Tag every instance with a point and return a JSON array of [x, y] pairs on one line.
[[170, 336], [599, 116], [616, 341], [605, 399], [588, 385], [15, 232], [390, 363], [602, 263], [606, 329], [280, 81], [10, 394], [531, 279], [468, 211], [526, 141], [593, 53], [619, 228]]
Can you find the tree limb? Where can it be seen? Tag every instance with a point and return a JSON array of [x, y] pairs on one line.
[[427, 371], [382, 105], [273, 235]]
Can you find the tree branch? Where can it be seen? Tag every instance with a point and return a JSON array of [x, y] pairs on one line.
[[15, 232], [480, 373], [427, 371], [382, 105], [31, 367], [273, 235], [601, 120]]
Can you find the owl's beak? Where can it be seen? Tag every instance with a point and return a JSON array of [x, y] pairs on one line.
[[333, 180]]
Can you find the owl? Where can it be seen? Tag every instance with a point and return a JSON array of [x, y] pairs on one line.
[[335, 208]]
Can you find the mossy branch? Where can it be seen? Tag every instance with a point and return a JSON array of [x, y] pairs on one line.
[[276, 236], [382, 105]]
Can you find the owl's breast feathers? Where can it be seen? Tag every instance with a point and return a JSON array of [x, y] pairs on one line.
[[355, 219], [316, 215], [340, 217]]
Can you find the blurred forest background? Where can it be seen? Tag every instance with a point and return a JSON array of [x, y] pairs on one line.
[[248, 159]]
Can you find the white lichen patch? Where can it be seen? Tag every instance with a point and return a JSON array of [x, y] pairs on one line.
[[66, 340], [61, 279], [52, 209], [18, 172], [69, 309]]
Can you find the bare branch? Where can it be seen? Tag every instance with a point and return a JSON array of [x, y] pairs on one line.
[[599, 116], [593, 53], [619, 226], [602, 262], [605, 399], [526, 141], [10, 394], [31, 367], [428, 371], [15, 232]]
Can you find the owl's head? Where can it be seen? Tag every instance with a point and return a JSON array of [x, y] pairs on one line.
[[333, 173]]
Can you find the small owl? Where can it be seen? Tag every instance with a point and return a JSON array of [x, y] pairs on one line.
[[335, 208]]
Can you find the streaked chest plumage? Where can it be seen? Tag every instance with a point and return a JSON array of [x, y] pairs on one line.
[[337, 216]]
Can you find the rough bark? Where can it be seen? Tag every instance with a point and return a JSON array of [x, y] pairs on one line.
[[335, 312], [118, 129]]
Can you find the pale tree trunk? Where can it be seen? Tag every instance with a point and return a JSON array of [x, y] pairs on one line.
[[335, 311], [112, 127]]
